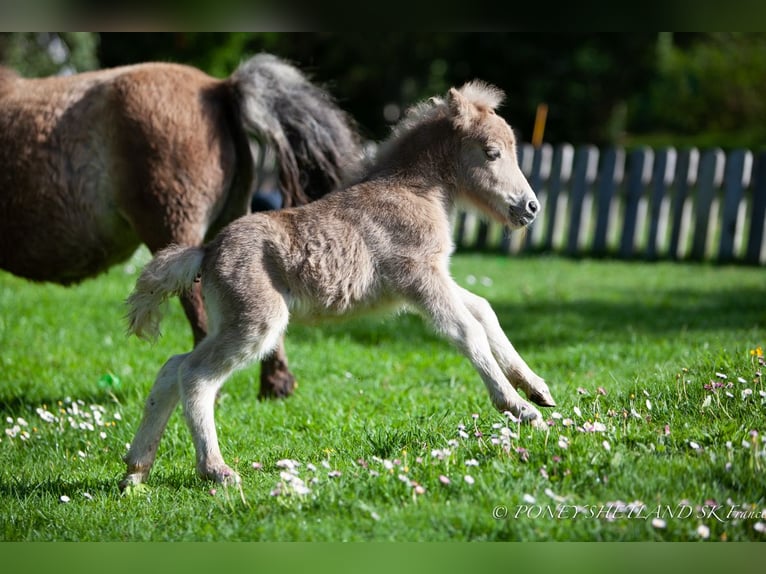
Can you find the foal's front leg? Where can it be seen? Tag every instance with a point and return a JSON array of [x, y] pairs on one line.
[[442, 303], [514, 367]]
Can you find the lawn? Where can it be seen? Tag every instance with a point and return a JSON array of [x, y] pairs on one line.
[[658, 433]]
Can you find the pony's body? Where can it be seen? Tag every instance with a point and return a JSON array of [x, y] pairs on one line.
[[93, 165], [88, 174], [384, 241]]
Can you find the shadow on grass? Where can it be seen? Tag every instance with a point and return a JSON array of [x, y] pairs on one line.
[[616, 316], [23, 488], [659, 313], [18, 403]]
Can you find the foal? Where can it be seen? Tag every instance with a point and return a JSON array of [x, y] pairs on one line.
[[386, 240]]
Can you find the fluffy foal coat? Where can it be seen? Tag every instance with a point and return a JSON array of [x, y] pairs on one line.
[[385, 241]]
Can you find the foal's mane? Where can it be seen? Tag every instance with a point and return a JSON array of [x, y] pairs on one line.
[[480, 94], [428, 112]]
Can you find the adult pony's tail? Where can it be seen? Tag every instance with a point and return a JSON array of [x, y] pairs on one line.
[[172, 272], [317, 144]]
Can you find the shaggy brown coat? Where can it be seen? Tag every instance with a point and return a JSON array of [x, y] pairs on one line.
[[93, 165]]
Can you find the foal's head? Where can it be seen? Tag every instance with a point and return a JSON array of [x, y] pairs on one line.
[[488, 172]]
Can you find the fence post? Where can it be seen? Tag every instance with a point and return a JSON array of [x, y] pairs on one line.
[[586, 163], [739, 165], [641, 161], [710, 177], [610, 176], [686, 176], [757, 211], [664, 171], [560, 174]]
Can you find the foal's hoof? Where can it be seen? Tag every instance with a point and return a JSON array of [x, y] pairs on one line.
[[131, 480], [539, 424], [525, 413], [531, 416], [223, 476], [542, 398]]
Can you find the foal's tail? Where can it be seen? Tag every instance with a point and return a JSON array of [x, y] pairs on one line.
[[317, 144], [172, 272]]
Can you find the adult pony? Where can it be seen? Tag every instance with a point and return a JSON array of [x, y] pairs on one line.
[[94, 164], [384, 241]]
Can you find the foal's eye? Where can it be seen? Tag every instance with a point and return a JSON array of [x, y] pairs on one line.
[[492, 153]]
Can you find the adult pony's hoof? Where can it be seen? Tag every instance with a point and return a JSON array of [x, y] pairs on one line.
[[277, 382]]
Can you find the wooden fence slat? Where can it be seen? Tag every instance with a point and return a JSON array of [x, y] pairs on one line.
[[482, 233], [542, 164], [641, 161], [561, 172], [586, 162], [686, 176], [664, 172], [737, 175], [610, 176], [757, 211], [710, 177]]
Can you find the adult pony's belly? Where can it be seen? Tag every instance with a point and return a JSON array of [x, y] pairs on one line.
[[59, 220], [65, 245]]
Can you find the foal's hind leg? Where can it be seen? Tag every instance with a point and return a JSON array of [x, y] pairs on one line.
[[202, 375], [159, 405], [514, 367]]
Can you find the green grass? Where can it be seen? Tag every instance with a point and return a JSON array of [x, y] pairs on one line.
[[379, 402]]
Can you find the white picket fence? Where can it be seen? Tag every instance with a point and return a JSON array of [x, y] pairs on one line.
[[650, 204]]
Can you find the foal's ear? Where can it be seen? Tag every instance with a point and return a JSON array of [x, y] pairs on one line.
[[462, 111]]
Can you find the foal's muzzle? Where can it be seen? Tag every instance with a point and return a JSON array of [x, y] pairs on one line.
[[525, 213]]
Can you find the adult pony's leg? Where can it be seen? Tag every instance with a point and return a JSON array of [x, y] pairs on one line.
[[195, 312], [159, 405], [277, 381], [514, 367]]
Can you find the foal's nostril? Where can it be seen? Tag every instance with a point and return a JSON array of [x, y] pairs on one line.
[[533, 206]]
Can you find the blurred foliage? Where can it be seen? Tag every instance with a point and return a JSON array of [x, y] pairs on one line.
[[641, 88], [375, 75], [49, 53], [708, 93]]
